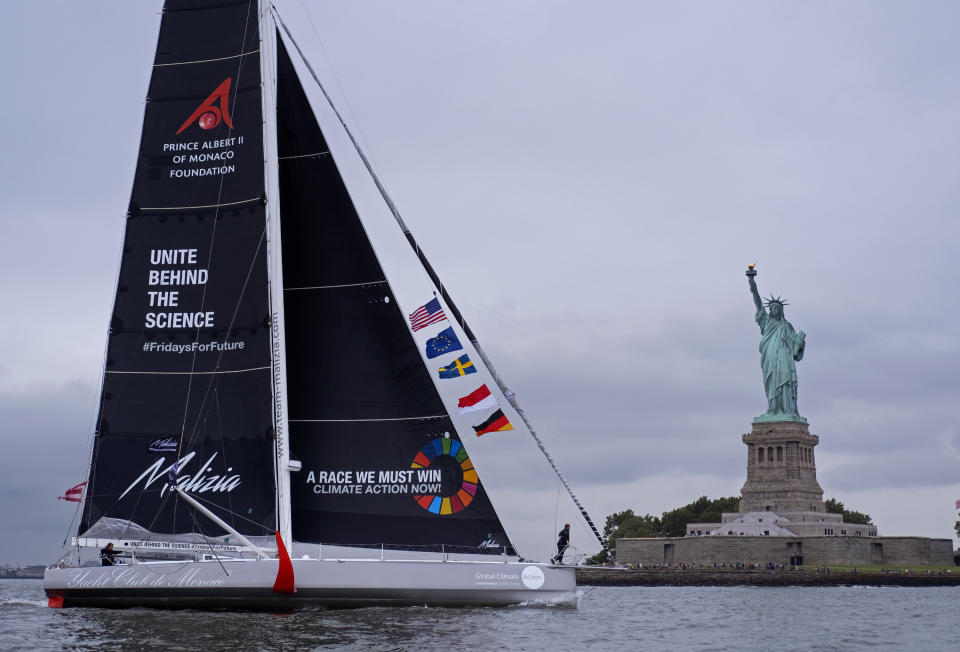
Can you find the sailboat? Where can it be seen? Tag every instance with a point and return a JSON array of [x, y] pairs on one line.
[[292, 409]]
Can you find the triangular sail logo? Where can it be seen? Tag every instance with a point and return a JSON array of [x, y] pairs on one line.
[[208, 115]]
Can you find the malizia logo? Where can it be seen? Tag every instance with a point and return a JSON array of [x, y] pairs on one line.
[[489, 542], [208, 115], [165, 445], [191, 479]]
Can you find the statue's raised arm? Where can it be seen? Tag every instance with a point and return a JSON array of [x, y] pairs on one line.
[[780, 348], [751, 275]]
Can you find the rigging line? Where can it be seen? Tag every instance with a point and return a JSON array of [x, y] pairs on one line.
[[327, 287], [233, 514], [333, 71], [94, 449], [432, 416], [213, 237], [206, 539], [188, 208], [136, 505], [187, 63], [95, 441], [507, 392], [349, 132], [156, 514], [223, 446], [556, 508], [189, 373], [96, 415], [313, 155], [233, 319], [73, 519]]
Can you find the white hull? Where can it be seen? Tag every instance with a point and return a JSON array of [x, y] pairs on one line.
[[248, 584]]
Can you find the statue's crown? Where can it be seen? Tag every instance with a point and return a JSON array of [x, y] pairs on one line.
[[773, 299]]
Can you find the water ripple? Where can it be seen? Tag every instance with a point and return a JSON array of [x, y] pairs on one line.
[[700, 619]]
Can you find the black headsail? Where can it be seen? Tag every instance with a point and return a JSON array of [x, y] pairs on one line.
[[382, 461], [188, 365]]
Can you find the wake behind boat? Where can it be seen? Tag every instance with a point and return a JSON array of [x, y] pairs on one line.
[[285, 419]]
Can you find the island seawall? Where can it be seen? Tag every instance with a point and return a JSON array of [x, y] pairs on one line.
[[743, 577]]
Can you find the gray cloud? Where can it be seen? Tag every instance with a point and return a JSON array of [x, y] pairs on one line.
[[590, 182]]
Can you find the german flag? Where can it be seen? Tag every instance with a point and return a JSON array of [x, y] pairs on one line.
[[496, 422]]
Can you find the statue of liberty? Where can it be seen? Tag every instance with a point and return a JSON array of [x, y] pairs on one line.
[[780, 349]]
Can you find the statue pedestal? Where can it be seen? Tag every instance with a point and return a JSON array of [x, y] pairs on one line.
[[781, 469]]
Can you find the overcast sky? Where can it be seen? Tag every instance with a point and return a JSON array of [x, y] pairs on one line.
[[590, 181]]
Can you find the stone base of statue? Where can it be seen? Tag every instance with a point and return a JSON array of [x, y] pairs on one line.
[[781, 497], [781, 469]]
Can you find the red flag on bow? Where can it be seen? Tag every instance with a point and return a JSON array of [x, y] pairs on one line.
[[74, 494]]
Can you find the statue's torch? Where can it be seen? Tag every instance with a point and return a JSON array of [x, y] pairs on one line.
[[751, 272]]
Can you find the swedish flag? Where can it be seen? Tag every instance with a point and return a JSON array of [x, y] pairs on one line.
[[459, 367], [445, 342]]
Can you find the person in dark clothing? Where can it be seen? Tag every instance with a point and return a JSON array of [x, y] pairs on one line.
[[562, 543], [107, 555]]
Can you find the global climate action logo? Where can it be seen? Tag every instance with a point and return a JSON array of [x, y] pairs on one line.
[[208, 115], [450, 456], [533, 577]]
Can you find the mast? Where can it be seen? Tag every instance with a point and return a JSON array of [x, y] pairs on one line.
[[268, 75]]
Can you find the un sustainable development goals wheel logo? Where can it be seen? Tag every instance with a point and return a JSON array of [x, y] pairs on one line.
[[451, 457]]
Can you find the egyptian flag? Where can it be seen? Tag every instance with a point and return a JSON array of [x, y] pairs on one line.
[[496, 422], [478, 399]]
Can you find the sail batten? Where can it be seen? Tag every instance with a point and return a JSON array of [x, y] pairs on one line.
[[432, 416], [193, 208], [187, 63], [187, 373], [340, 285]]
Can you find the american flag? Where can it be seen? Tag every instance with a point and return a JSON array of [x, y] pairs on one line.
[[73, 494], [958, 504], [429, 313]]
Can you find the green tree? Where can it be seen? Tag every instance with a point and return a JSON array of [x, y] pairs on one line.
[[624, 525], [673, 523], [834, 506], [702, 510], [956, 528]]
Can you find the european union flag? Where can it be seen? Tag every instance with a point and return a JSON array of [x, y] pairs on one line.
[[445, 342], [459, 367]]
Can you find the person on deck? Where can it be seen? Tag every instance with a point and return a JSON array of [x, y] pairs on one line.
[[107, 555], [563, 542]]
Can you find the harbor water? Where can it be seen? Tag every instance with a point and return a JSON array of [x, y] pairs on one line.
[[608, 618]]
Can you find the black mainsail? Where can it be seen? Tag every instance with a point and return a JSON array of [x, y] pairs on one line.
[[364, 413], [188, 369]]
